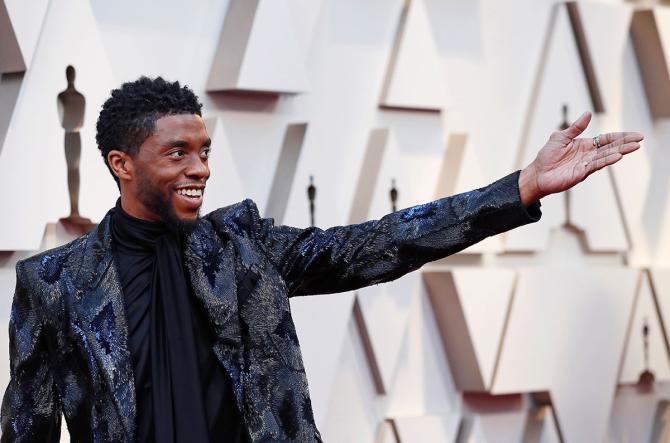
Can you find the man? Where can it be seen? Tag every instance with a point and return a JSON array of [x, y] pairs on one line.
[[163, 326]]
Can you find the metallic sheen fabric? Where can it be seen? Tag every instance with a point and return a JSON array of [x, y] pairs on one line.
[[69, 339]]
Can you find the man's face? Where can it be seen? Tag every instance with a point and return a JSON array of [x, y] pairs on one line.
[[171, 170]]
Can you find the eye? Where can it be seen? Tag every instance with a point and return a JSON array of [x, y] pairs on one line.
[[205, 152], [176, 154]]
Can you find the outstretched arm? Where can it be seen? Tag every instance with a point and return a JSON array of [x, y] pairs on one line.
[[29, 408], [314, 261], [343, 258], [566, 160]]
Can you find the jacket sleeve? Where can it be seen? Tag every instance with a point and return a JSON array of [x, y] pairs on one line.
[[315, 261], [30, 410]]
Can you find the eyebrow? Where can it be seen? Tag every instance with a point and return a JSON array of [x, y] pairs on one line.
[[184, 144]]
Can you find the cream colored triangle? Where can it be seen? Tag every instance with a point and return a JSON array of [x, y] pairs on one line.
[[390, 170], [485, 297], [565, 335], [461, 172], [45, 199], [369, 175], [595, 200], [592, 202], [423, 381], [322, 324], [385, 310], [224, 186], [258, 50], [593, 208], [606, 48], [415, 78], [354, 410]]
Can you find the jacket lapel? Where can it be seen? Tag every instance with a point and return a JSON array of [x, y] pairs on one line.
[[210, 264], [101, 316]]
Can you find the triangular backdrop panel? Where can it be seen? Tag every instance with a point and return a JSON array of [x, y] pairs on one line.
[[284, 174], [353, 410], [643, 184], [258, 50], [565, 335], [20, 25], [563, 83], [385, 309], [415, 74], [485, 297], [321, 323], [470, 308], [605, 48], [423, 382], [461, 172], [61, 43], [255, 142], [377, 158], [224, 186]]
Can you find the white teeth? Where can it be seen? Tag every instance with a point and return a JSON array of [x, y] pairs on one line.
[[190, 192]]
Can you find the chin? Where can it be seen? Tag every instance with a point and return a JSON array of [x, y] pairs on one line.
[[188, 217]]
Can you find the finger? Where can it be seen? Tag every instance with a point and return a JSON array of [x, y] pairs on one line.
[[613, 148], [621, 137], [578, 126], [604, 161]]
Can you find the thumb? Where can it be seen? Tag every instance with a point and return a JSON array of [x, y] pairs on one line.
[[578, 126]]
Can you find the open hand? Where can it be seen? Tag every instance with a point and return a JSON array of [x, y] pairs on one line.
[[566, 160]]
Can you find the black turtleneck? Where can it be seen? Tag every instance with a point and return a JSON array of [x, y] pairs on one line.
[[182, 393]]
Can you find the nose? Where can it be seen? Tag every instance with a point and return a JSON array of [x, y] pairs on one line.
[[197, 169]]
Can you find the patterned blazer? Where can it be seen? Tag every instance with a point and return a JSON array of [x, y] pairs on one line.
[[68, 334]]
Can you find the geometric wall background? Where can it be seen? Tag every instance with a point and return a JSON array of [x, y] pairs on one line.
[[532, 336]]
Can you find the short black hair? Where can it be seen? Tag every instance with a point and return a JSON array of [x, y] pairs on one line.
[[129, 115]]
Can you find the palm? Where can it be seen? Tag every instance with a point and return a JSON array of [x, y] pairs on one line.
[[566, 160]]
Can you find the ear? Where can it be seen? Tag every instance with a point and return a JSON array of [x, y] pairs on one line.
[[121, 164]]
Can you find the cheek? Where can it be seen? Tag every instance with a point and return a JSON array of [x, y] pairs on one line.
[[155, 182], [165, 179]]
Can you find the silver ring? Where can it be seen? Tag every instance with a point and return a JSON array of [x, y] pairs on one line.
[[596, 141]]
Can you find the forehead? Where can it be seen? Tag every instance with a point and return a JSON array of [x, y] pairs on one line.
[[187, 127]]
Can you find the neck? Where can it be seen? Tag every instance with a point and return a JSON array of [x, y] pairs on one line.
[[135, 209]]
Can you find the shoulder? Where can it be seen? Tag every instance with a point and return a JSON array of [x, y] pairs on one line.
[[50, 266], [242, 215]]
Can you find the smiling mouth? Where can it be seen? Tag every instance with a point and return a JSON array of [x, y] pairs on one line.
[[193, 193]]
